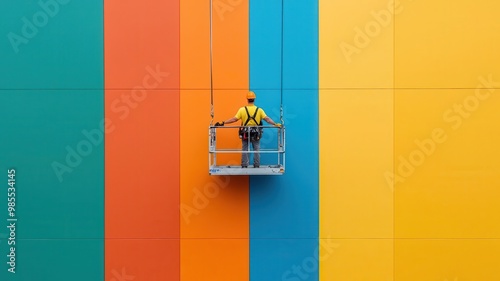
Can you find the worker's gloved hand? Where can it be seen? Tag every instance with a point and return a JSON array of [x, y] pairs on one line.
[[277, 125], [218, 124]]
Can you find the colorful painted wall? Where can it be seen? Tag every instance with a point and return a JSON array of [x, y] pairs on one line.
[[391, 110]]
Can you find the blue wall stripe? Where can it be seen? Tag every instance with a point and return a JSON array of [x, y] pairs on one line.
[[284, 219]]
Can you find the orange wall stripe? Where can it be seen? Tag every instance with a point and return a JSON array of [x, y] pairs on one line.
[[142, 140], [214, 210]]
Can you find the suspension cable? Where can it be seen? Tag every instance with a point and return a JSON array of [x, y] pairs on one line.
[[211, 67], [281, 70]]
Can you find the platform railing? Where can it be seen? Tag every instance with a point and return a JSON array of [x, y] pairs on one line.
[[278, 149]]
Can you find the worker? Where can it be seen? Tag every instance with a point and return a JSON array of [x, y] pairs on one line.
[[251, 118]]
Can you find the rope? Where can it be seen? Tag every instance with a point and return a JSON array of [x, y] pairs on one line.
[[211, 67], [281, 70], [211, 63]]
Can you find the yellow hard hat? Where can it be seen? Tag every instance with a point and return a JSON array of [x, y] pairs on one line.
[[251, 95]]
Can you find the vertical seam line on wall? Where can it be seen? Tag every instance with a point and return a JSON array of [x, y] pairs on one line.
[[249, 197], [179, 139], [394, 144], [104, 137], [318, 86]]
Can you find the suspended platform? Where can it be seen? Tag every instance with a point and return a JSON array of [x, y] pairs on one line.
[[273, 137], [267, 170]]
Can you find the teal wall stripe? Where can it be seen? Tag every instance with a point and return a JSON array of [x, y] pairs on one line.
[[51, 107], [51, 44]]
